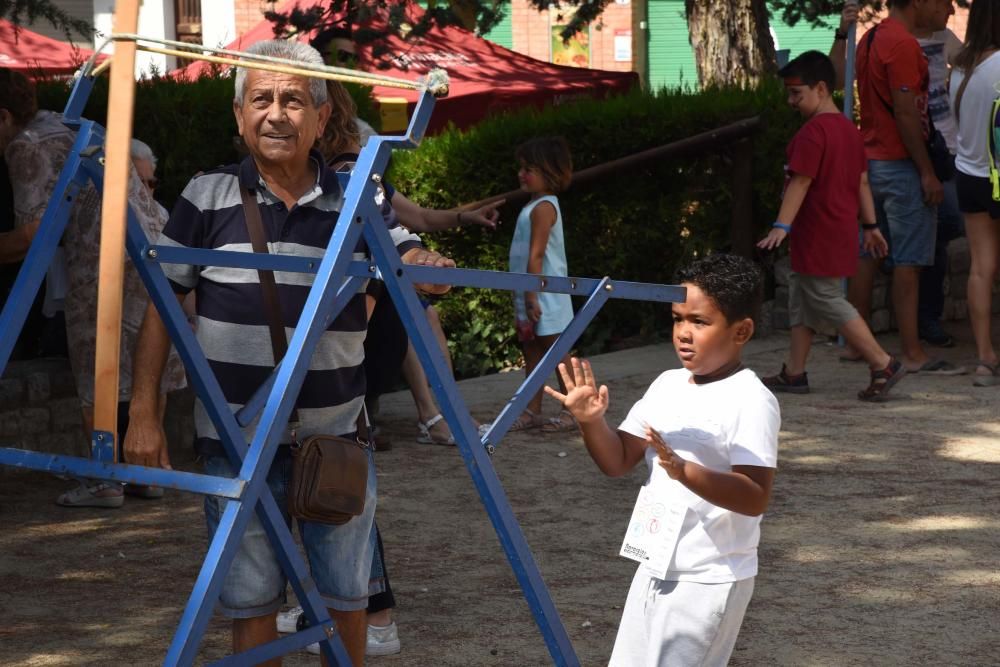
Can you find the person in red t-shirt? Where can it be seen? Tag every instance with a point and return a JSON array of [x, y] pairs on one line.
[[827, 185], [893, 83]]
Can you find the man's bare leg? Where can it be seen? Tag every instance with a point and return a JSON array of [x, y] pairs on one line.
[[905, 297], [250, 632], [353, 629]]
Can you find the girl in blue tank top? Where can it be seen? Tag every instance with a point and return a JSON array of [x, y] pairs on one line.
[[538, 247]]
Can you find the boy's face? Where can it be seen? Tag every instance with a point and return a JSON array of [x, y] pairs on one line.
[[704, 339], [804, 98]]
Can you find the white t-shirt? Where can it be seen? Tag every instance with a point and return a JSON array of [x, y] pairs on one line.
[[975, 123], [718, 425], [941, 48]]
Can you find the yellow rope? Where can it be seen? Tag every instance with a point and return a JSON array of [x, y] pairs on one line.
[[282, 69], [298, 67]]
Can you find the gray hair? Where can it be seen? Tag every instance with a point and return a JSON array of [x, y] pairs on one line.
[[141, 151], [289, 50]]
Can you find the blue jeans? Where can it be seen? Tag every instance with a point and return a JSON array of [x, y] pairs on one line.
[[340, 557], [909, 226]]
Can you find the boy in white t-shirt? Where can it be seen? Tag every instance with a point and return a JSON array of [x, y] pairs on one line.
[[712, 428]]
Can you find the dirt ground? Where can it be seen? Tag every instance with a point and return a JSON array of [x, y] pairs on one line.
[[880, 546]]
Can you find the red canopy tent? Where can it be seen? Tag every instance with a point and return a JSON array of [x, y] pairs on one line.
[[33, 54], [485, 77]]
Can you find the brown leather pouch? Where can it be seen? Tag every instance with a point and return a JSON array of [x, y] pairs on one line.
[[329, 479], [329, 473]]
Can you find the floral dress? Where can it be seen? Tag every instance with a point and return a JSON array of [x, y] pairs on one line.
[[35, 158]]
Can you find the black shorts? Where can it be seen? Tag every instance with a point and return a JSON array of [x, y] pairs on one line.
[[975, 195]]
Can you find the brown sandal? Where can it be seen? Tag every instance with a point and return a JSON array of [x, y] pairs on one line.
[[882, 381], [528, 420], [563, 423]]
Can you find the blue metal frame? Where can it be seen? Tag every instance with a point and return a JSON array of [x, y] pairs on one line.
[[337, 279]]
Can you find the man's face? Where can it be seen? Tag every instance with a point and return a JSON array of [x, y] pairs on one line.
[[933, 14], [277, 118], [146, 173]]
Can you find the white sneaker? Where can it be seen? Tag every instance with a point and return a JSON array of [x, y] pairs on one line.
[[287, 620], [383, 640]]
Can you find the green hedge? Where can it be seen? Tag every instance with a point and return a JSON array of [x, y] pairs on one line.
[[639, 225], [188, 124]]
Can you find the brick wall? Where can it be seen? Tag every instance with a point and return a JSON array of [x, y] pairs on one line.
[[532, 35], [248, 13], [39, 411]]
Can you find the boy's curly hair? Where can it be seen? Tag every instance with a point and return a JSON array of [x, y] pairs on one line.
[[734, 283]]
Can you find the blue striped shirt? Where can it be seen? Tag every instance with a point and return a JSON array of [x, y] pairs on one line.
[[232, 322]]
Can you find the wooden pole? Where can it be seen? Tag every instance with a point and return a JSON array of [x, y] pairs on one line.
[[693, 145], [121, 100]]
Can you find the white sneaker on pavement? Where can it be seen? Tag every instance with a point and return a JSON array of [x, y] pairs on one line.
[[381, 641], [287, 620], [93, 494]]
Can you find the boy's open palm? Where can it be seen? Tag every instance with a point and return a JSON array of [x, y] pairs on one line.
[[583, 399]]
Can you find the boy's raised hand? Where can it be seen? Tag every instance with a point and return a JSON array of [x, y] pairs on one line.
[[773, 239], [583, 399], [669, 461]]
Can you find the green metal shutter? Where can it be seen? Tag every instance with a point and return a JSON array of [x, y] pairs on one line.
[[501, 33], [671, 60], [803, 37]]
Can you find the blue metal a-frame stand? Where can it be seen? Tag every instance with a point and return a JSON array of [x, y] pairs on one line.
[[337, 278]]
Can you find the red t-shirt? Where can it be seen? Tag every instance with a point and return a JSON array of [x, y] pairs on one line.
[[896, 63], [824, 240]]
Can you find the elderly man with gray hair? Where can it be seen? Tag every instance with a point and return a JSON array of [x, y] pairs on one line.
[[279, 116]]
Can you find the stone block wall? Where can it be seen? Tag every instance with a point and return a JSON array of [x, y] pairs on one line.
[[882, 317], [39, 411]]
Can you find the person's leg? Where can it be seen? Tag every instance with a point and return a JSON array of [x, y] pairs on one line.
[[857, 334], [859, 294], [931, 305], [984, 248], [564, 421], [534, 350], [250, 632], [340, 560], [413, 373], [905, 293], [798, 354], [435, 321], [254, 588], [352, 626]]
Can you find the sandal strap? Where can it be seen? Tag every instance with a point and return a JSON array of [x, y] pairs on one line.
[[429, 424]]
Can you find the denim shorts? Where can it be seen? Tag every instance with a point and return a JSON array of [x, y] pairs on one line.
[[909, 225], [340, 557]]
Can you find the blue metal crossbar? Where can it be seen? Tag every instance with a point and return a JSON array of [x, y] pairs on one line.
[[337, 277]]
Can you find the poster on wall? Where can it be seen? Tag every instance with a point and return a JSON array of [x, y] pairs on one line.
[[576, 51], [623, 46]]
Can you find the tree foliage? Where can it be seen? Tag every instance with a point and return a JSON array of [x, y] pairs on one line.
[[29, 12], [824, 12], [352, 19]]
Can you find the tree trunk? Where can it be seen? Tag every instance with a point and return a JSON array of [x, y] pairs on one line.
[[731, 40]]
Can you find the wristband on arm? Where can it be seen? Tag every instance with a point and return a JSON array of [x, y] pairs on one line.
[[782, 226], [869, 226]]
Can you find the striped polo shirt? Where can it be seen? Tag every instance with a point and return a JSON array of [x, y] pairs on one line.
[[232, 323]]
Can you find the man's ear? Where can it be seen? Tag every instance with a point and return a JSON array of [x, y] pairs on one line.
[[239, 117], [744, 331], [325, 110]]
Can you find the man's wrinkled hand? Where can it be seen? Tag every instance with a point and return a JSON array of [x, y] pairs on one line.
[[424, 257], [146, 443]]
